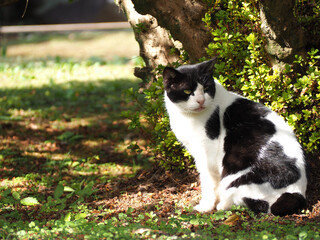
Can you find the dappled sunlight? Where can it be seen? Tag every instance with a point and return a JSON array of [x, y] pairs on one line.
[[48, 155], [106, 170], [41, 74], [60, 115], [61, 123], [106, 45], [17, 183]]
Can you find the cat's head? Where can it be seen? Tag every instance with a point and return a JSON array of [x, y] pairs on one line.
[[190, 87]]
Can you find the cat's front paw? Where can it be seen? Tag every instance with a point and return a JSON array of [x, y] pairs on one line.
[[224, 205], [204, 206]]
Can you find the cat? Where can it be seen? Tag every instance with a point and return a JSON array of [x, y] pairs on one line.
[[245, 153]]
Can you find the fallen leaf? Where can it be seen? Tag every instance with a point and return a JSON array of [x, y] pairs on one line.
[[142, 230], [232, 220], [29, 201]]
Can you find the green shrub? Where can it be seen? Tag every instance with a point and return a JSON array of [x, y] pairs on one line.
[[243, 67], [294, 94], [153, 122]]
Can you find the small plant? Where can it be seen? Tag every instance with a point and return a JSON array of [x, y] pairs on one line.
[[69, 137], [164, 145]]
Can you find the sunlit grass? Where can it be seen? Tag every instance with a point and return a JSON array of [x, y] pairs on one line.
[[61, 73], [58, 109], [58, 99], [108, 46]]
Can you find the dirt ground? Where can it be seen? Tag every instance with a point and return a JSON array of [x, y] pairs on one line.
[[173, 189]]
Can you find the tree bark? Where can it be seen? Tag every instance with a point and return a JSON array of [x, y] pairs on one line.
[[285, 38], [183, 19], [154, 41]]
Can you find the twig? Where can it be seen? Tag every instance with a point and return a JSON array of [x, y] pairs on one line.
[[25, 9]]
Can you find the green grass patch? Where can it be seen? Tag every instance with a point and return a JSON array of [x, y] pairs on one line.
[[66, 171]]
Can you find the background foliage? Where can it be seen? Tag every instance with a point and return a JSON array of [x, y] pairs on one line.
[[243, 66]]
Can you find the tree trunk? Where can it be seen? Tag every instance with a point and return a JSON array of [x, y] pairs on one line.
[[154, 41], [285, 38], [183, 19]]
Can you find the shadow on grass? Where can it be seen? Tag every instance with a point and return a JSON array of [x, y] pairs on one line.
[[68, 131], [77, 98], [72, 134]]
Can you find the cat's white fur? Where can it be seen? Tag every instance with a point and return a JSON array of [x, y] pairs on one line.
[[187, 120]]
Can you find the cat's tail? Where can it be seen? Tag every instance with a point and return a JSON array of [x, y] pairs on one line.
[[288, 203]]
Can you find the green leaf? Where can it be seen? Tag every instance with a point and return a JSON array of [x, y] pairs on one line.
[[87, 190], [29, 201], [219, 215], [58, 192], [68, 189], [16, 195], [303, 235], [67, 218], [195, 221], [80, 216], [69, 137], [65, 136]]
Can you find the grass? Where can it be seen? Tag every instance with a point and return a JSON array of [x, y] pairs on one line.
[[110, 45], [66, 172]]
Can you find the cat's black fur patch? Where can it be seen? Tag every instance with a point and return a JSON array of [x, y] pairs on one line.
[[246, 132], [279, 173], [186, 78], [176, 82], [270, 169], [208, 83], [288, 203], [213, 125], [256, 205]]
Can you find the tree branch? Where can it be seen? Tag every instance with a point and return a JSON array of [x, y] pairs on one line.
[[154, 41]]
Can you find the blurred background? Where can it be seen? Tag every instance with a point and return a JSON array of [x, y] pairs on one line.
[[59, 11], [112, 44]]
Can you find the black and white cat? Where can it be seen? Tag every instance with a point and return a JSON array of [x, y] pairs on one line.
[[245, 153]]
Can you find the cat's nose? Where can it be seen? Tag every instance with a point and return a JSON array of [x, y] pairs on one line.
[[200, 101]]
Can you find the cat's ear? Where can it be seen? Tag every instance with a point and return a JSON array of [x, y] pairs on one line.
[[170, 75], [208, 66]]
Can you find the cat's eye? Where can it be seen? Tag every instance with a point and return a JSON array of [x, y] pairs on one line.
[[206, 89], [187, 91]]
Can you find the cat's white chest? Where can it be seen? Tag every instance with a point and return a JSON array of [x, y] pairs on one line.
[[189, 130]]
